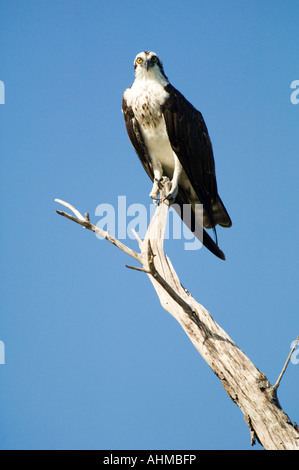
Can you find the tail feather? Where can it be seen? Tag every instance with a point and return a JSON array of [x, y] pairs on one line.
[[220, 214], [205, 238], [209, 243]]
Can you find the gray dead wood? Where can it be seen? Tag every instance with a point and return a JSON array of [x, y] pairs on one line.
[[248, 387]]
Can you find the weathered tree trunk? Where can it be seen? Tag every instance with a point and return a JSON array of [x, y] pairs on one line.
[[245, 384]]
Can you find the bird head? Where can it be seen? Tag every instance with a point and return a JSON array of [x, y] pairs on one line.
[[148, 65]]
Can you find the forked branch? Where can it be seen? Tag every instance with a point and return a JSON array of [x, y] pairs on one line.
[[245, 384]]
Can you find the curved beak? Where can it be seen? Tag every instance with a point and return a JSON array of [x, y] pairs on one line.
[[148, 64]]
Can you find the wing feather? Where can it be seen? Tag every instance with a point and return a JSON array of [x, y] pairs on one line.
[[189, 138], [136, 139]]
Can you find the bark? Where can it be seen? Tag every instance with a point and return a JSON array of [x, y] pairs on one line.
[[248, 387]]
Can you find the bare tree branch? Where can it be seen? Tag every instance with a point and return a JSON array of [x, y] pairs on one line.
[[245, 384], [85, 222], [276, 385]]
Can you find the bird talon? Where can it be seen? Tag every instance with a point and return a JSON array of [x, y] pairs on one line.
[[169, 198]]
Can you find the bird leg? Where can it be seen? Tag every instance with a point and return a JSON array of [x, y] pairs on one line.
[[155, 190], [158, 173], [178, 168], [159, 180]]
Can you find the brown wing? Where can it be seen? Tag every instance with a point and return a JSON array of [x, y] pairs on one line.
[[190, 141], [136, 138]]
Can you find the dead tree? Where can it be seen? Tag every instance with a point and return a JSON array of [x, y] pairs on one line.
[[248, 387]]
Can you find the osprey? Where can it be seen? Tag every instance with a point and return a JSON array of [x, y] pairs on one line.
[[171, 139]]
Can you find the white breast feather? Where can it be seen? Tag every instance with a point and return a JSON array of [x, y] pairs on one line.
[[146, 98]]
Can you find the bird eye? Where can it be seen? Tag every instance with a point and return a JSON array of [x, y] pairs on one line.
[[139, 60], [154, 59]]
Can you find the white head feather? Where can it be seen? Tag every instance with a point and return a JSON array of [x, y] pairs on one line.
[[148, 66]]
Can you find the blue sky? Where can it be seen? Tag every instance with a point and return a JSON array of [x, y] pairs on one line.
[[92, 361]]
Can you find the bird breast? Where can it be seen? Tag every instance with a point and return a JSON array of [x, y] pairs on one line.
[[158, 145], [146, 99]]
